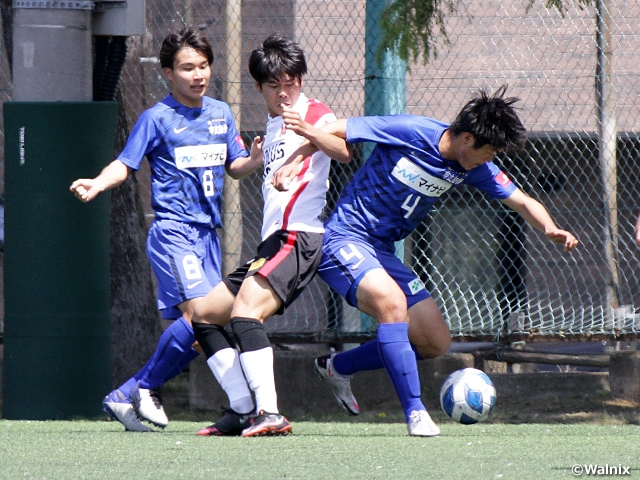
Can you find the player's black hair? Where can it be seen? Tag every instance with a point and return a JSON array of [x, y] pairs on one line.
[[187, 37], [278, 56], [492, 120]]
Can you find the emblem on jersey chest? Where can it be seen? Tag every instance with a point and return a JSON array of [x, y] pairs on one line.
[[216, 128], [453, 177]]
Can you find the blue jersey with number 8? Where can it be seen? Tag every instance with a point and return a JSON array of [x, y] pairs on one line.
[[187, 149]]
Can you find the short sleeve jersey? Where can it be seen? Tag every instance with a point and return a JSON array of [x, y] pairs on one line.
[[187, 149], [403, 178], [300, 208]]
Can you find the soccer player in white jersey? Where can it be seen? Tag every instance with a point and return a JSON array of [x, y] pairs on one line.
[[416, 160], [289, 254], [190, 140]]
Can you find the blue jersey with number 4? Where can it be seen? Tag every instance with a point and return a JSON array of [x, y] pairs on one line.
[[187, 149], [403, 178]]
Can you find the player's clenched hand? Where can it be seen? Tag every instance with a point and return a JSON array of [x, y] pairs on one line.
[[285, 176], [563, 237], [86, 189], [293, 121]]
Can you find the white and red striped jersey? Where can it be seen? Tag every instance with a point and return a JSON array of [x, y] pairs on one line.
[[299, 208]]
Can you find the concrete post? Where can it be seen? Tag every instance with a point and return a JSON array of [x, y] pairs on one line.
[[624, 374]]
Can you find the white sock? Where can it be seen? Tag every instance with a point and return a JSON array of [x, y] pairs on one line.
[[258, 370], [226, 367]]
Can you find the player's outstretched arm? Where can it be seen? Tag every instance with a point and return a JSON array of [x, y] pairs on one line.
[[538, 217], [86, 189], [327, 138], [245, 166], [637, 231]]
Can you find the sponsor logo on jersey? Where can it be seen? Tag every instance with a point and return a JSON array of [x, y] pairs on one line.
[[502, 179], [256, 264], [418, 179], [416, 285], [179, 130], [194, 284], [200, 156], [240, 142], [219, 128]]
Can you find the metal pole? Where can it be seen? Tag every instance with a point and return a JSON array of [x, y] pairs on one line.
[[385, 85], [384, 91], [607, 145], [188, 12], [232, 212]]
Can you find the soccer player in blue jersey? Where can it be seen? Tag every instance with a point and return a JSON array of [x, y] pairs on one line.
[[190, 140], [288, 256], [416, 160]]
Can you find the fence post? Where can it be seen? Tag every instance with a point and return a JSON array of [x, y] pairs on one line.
[[384, 91], [607, 148]]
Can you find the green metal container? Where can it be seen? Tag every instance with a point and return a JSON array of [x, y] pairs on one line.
[[57, 362]]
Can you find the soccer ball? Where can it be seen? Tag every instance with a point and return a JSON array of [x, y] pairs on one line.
[[468, 396]]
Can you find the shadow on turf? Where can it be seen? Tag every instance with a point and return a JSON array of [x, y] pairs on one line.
[[597, 407]]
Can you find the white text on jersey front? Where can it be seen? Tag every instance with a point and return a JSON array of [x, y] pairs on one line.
[[201, 156], [418, 179]]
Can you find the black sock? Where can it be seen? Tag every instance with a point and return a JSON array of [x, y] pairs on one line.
[[250, 334], [212, 338]]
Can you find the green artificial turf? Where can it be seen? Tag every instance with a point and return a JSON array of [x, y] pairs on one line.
[[331, 450]]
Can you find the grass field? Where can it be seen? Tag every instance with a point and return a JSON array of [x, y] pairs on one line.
[[537, 440], [331, 450]]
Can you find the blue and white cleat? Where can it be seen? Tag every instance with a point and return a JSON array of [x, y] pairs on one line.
[[119, 408]]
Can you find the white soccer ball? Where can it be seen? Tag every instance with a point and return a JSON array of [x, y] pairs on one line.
[[468, 396]]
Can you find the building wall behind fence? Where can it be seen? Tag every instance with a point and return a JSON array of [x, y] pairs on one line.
[[548, 60]]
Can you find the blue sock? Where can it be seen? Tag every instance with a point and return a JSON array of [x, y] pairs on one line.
[[400, 361], [127, 386], [365, 357], [186, 359], [173, 349]]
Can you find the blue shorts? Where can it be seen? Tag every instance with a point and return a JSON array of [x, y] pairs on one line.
[[345, 260], [186, 261]]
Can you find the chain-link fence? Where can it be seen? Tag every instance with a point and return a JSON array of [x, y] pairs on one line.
[[492, 276]]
